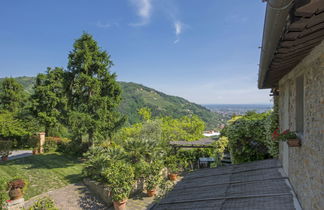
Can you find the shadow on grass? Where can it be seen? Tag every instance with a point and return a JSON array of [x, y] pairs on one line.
[[45, 161]]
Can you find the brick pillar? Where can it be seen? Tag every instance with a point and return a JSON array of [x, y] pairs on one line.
[[41, 137]]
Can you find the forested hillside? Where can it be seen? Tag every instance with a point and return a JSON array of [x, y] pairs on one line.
[[136, 96]]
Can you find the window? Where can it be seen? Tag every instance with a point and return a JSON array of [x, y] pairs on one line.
[[300, 104]]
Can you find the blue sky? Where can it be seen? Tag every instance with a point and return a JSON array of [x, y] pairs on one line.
[[203, 50]]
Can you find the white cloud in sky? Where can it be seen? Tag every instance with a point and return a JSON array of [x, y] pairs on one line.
[[178, 26], [144, 11]]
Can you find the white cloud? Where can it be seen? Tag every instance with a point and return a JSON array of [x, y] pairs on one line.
[[178, 27], [144, 11]]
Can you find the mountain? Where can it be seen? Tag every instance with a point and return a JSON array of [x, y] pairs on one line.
[[136, 96]]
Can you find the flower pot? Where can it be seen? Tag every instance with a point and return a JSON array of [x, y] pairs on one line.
[[173, 177], [120, 205], [4, 158], [15, 194], [151, 193], [294, 142], [35, 151]]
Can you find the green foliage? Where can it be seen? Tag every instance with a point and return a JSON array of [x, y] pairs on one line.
[[99, 158], [185, 128], [119, 176], [3, 192], [145, 113], [92, 91], [247, 137], [11, 127], [271, 126], [49, 102], [45, 203], [5, 147], [12, 96], [174, 163], [188, 157], [53, 144], [220, 146], [153, 175], [136, 96]]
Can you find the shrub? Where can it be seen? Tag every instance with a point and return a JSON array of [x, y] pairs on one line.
[[119, 176], [3, 192], [5, 147], [100, 158], [220, 147], [45, 203], [153, 175], [271, 126], [247, 138], [54, 143]]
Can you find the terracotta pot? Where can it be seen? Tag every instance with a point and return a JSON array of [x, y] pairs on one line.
[[35, 151], [173, 177], [120, 205], [294, 142], [4, 158], [15, 194], [151, 193]]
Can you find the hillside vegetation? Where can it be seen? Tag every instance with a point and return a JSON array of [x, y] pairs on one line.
[[136, 96]]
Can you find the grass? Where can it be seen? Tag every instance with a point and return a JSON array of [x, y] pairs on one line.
[[43, 172]]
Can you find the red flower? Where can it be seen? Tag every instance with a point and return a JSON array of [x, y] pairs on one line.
[[275, 134]]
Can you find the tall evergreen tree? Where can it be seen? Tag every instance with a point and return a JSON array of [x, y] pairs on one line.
[[12, 95], [93, 93], [49, 100]]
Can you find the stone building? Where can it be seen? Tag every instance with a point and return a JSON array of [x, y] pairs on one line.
[[292, 65]]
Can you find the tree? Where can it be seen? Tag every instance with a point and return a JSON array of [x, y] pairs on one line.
[[49, 101], [12, 96], [92, 91]]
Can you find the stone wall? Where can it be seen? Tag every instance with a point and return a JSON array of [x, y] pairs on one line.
[[305, 165]]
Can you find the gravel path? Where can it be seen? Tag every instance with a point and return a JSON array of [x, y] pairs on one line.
[[20, 154], [71, 197]]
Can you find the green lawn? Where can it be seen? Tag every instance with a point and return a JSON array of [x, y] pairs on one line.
[[44, 172]]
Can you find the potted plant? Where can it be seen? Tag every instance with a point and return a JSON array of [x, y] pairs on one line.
[[5, 149], [16, 188], [119, 176], [33, 143], [290, 137], [153, 177], [173, 167]]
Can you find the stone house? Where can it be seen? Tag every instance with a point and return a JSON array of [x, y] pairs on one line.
[[292, 65]]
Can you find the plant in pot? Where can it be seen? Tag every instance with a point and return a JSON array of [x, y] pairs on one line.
[[33, 142], [173, 167], [290, 137], [16, 188], [119, 176], [153, 177], [5, 149]]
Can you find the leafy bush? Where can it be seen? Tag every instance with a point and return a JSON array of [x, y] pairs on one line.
[[54, 143], [247, 138], [45, 203], [100, 158], [3, 192], [271, 126], [153, 175], [5, 147], [220, 146], [119, 176], [187, 158]]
